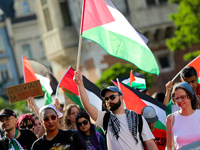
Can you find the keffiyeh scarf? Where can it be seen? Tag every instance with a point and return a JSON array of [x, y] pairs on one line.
[[133, 122]]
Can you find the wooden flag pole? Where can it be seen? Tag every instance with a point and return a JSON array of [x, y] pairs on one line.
[[80, 39], [79, 52]]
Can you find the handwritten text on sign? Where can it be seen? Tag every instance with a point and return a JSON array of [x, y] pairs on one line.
[[23, 91]]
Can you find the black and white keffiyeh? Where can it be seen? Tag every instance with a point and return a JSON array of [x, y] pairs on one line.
[[133, 122]]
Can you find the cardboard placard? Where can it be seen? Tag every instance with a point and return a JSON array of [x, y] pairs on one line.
[[23, 91]]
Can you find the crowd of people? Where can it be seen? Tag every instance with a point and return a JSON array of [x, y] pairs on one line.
[[56, 126]]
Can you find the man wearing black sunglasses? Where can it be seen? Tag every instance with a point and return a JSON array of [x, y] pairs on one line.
[[14, 138], [121, 124]]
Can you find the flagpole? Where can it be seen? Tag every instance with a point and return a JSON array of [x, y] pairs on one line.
[[80, 39], [184, 67]]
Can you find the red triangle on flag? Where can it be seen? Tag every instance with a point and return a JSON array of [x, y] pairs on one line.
[[67, 81], [132, 101], [29, 74]]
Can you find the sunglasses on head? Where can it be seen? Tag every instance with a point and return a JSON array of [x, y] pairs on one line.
[[29, 126], [85, 122], [46, 119], [111, 97]]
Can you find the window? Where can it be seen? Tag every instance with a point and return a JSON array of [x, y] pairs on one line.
[[165, 60], [42, 49], [169, 32], [25, 7], [26, 51], [46, 14], [65, 13], [1, 45], [4, 73], [155, 2]]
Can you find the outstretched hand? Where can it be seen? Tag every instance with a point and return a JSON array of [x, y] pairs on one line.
[[78, 78], [30, 103]]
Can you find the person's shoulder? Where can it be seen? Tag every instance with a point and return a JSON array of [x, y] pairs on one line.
[[26, 131]]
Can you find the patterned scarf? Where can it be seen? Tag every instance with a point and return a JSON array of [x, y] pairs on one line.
[[133, 122], [13, 144]]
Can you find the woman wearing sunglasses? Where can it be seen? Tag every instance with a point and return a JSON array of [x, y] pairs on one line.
[[55, 138], [92, 139], [183, 126]]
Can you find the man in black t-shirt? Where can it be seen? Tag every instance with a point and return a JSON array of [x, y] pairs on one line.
[[23, 139]]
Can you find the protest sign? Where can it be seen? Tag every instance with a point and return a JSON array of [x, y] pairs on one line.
[[23, 91]]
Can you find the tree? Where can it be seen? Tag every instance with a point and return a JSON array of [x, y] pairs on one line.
[[187, 22], [19, 107], [119, 70]]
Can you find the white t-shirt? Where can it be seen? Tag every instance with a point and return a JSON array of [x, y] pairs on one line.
[[126, 140], [186, 129]]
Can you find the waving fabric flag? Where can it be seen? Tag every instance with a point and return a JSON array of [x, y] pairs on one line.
[[138, 82], [71, 90], [34, 70], [104, 24], [135, 100]]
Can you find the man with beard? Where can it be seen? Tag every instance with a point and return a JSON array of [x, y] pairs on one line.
[[122, 129], [14, 139]]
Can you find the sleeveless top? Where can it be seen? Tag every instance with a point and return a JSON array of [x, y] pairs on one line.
[[186, 129]]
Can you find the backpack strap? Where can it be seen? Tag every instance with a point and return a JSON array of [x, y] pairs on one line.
[[105, 125], [140, 126], [105, 121]]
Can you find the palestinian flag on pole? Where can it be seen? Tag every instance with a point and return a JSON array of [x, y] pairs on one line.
[[104, 24], [139, 80], [135, 100], [34, 70], [70, 88]]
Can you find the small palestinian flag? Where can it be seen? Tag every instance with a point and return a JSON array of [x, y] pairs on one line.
[[70, 88], [135, 100], [34, 70], [138, 80]]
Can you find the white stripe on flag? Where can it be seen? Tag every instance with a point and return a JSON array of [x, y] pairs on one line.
[[94, 100], [45, 82]]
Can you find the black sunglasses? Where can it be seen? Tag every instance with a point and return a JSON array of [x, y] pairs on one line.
[[111, 97], [46, 119], [85, 122], [29, 126]]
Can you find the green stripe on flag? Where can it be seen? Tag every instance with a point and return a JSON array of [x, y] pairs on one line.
[[73, 97], [137, 85], [47, 96], [124, 48], [160, 125]]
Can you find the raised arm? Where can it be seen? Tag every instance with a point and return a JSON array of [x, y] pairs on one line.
[[92, 111], [169, 87]]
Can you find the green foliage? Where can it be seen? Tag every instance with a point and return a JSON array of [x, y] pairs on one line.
[[19, 107], [187, 22], [119, 70], [191, 55]]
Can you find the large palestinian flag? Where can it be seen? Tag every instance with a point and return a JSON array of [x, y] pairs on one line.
[[135, 100], [34, 70], [71, 90], [104, 24]]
